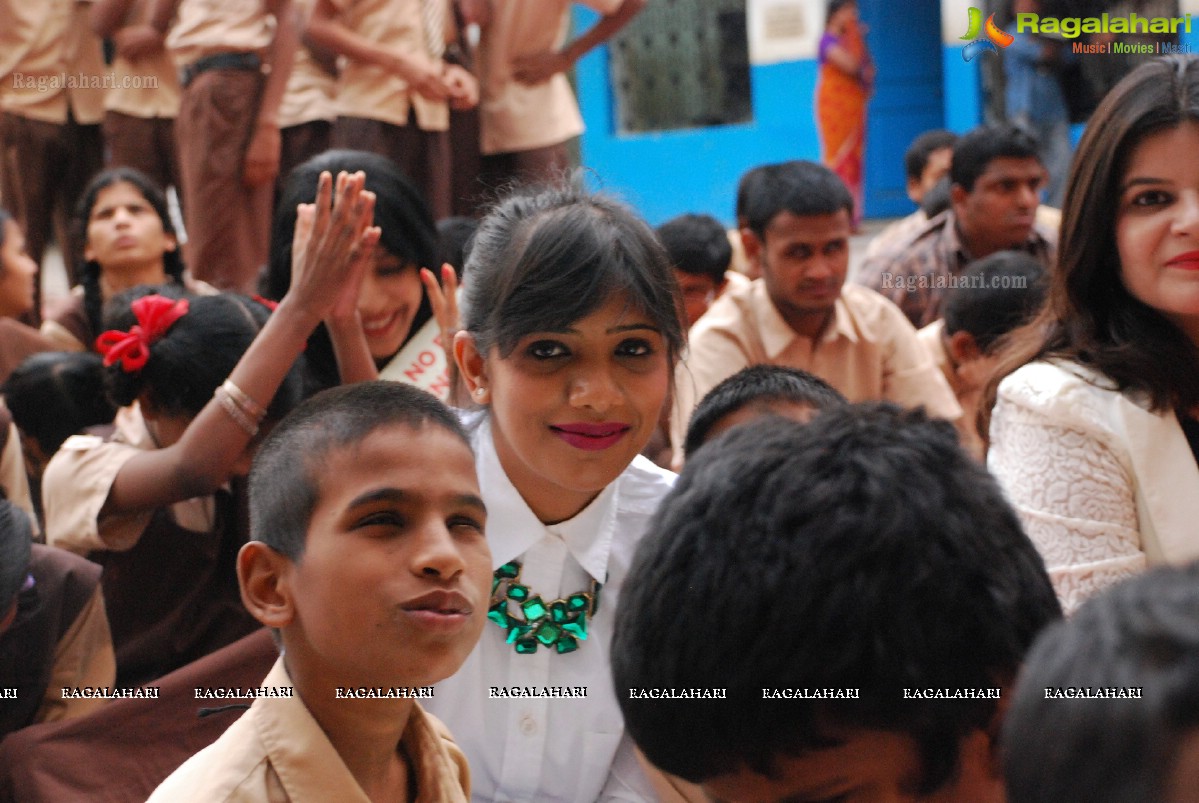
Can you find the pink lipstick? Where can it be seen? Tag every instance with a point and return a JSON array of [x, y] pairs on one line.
[[591, 437]]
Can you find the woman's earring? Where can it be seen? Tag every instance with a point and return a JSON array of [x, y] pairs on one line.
[[480, 394]]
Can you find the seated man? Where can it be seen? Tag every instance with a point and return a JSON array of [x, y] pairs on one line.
[[798, 216], [925, 162], [370, 562], [1108, 705], [830, 611], [991, 298], [754, 392], [53, 631], [995, 182], [700, 253]]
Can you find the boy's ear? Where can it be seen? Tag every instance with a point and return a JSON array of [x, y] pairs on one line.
[[752, 246], [473, 367], [963, 348], [264, 576]]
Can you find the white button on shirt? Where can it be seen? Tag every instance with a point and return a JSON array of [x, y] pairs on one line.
[[542, 749]]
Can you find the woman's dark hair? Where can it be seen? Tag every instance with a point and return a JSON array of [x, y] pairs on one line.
[[5, 216], [197, 354], [542, 260], [172, 261], [53, 395], [834, 6], [408, 233], [1089, 316]]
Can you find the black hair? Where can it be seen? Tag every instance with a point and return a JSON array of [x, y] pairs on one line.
[[408, 233], [285, 481], [915, 159], [172, 261], [757, 384], [698, 245], [199, 351], [937, 199], [16, 540], [834, 6], [994, 296], [802, 188], [454, 237], [53, 395], [544, 259], [976, 150], [1142, 633], [748, 187], [865, 550]]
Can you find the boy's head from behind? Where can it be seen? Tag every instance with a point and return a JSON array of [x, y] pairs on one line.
[[993, 296], [700, 253], [1143, 633], [754, 392], [368, 553], [864, 550]]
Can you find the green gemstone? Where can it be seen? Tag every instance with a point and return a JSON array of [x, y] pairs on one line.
[[566, 644], [577, 628], [516, 631], [534, 609], [577, 602], [526, 646], [518, 592], [558, 611], [508, 570], [499, 615], [547, 633]]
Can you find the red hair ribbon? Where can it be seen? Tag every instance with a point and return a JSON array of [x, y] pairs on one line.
[[266, 302], [155, 315]]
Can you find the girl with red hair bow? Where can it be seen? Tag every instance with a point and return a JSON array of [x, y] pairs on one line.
[[157, 500]]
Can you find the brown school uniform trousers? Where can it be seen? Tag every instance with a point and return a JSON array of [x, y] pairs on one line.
[[424, 156]]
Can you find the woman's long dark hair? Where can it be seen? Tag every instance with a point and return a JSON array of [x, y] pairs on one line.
[[1089, 316]]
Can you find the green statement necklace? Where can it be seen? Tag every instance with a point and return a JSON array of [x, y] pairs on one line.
[[560, 624]]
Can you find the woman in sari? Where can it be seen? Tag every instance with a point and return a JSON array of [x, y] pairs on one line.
[[842, 88]]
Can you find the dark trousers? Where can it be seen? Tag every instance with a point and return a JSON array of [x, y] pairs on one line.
[[424, 156]]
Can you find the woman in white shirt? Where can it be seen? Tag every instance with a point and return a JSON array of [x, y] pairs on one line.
[[1094, 433], [569, 342]]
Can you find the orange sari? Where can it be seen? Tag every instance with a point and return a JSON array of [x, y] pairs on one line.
[[841, 114]]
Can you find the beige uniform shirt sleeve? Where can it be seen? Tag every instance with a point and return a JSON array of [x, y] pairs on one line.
[[713, 356], [74, 488], [84, 658], [910, 378]]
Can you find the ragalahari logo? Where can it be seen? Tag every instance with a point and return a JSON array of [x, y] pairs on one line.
[[994, 36]]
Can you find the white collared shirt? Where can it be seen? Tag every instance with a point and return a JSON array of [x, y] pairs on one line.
[[541, 749]]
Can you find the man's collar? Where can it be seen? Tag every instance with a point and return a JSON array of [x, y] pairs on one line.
[[777, 334]]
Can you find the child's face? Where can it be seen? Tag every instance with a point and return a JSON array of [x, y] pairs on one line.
[[18, 272], [571, 409], [392, 587], [698, 294], [124, 231], [867, 767], [387, 303]]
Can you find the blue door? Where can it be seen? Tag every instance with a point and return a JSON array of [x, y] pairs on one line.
[[905, 40]]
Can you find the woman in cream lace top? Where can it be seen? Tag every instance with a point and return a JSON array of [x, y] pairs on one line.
[[1094, 433]]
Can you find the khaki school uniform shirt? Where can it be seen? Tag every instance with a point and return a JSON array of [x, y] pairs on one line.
[[868, 351], [78, 480], [147, 87], [205, 27], [50, 61], [516, 116], [370, 92], [311, 92], [277, 752]]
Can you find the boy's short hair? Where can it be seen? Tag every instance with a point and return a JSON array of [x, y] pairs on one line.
[[863, 550], [285, 480], [697, 244], [1142, 633], [803, 188], [937, 199], [995, 295], [757, 384], [16, 550], [915, 159], [978, 148]]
